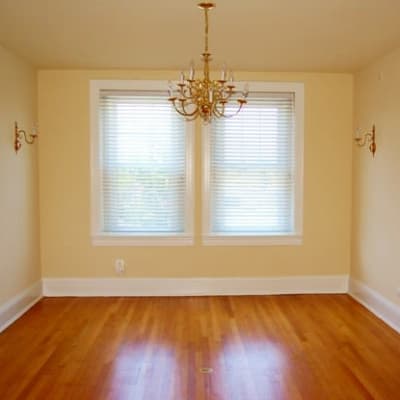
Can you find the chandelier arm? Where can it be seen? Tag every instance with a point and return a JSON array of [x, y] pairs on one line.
[[188, 114], [181, 91], [235, 113], [219, 113], [231, 115], [177, 109], [194, 90], [186, 91], [191, 118], [189, 96], [183, 111], [229, 92], [226, 98], [188, 117], [190, 91]]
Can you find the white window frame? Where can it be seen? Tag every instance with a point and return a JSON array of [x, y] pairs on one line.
[[100, 238], [217, 239]]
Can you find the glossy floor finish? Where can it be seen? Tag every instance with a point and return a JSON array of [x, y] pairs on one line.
[[259, 348]]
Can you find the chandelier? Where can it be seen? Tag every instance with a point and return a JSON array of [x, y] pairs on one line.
[[206, 98]]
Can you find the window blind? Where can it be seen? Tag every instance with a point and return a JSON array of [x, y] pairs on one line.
[[252, 168], [143, 164]]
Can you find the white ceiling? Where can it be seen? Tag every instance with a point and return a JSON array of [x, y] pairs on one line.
[[271, 35]]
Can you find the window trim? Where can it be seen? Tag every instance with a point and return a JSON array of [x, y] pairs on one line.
[[221, 239], [99, 238]]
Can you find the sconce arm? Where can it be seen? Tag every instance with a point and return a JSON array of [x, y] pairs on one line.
[[368, 137], [361, 142], [20, 134]]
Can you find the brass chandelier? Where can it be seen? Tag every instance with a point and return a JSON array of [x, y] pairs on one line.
[[206, 98]]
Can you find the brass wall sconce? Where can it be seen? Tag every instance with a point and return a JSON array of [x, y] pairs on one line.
[[367, 138], [20, 134]]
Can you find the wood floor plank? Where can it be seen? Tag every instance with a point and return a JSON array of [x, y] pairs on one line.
[[298, 347]]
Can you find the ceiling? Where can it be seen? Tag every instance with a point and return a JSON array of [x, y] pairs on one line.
[[259, 35]]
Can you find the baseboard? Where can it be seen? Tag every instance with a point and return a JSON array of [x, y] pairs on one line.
[[384, 309], [19, 304], [193, 286]]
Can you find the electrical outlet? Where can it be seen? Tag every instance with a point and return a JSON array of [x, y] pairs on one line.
[[119, 266]]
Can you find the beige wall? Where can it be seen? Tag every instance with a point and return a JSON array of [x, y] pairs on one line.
[[19, 235], [376, 193], [65, 189]]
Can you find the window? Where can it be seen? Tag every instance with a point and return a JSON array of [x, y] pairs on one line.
[[252, 192], [141, 163]]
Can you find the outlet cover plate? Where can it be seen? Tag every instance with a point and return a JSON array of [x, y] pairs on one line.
[[119, 266]]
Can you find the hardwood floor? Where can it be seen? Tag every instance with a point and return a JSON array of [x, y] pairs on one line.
[[259, 348]]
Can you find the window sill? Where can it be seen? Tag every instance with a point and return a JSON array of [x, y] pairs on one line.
[[278, 240], [156, 240]]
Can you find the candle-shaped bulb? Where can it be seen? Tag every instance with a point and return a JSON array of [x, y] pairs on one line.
[[358, 133], [210, 95], [34, 130], [231, 77], [223, 72], [246, 90], [191, 70], [170, 89], [182, 77]]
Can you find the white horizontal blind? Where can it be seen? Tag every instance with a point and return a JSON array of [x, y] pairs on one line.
[[143, 164], [252, 168]]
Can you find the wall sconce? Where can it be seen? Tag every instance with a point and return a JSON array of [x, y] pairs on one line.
[[20, 134], [368, 137]]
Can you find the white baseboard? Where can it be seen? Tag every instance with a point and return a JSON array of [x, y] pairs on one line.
[[19, 304], [57, 287], [383, 308]]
